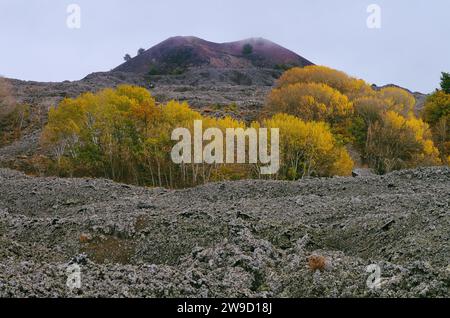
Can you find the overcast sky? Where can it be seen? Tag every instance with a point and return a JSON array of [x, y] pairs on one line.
[[410, 49]]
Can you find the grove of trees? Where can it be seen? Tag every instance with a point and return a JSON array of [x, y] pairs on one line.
[[125, 134], [379, 123]]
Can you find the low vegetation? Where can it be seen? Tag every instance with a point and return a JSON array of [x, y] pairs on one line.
[[13, 116]]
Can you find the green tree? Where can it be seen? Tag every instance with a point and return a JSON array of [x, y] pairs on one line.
[[247, 49], [127, 57], [445, 82]]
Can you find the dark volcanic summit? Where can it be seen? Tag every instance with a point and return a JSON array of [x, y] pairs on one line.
[[176, 54]]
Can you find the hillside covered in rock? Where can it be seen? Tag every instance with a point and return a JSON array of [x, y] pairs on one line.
[[230, 239]]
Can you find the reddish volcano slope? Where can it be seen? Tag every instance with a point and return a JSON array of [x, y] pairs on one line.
[[176, 54]]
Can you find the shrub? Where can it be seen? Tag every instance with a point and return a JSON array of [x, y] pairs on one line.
[[13, 123], [316, 262], [7, 102], [13, 117]]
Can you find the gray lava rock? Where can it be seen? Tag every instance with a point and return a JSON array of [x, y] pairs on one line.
[[250, 238]]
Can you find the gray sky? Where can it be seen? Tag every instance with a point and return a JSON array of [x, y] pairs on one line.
[[410, 49]]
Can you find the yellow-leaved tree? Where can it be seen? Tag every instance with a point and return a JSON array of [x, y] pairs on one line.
[[101, 134], [397, 142], [345, 84], [398, 100], [312, 101], [436, 113], [308, 148]]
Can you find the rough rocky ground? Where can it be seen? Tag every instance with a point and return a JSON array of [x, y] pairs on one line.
[[239, 93], [246, 238], [200, 87]]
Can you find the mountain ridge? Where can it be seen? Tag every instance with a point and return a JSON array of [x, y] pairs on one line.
[[177, 54]]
